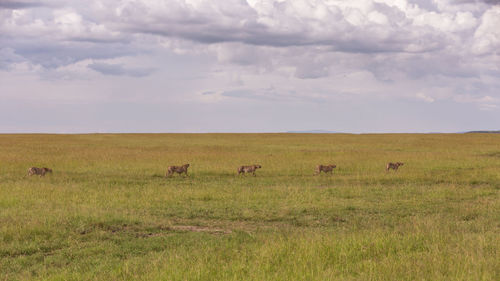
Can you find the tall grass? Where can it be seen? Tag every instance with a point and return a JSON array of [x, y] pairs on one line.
[[107, 212]]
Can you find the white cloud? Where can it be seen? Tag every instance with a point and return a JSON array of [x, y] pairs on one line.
[[485, 103], [467, 98], [488, 107], [487, 35], [425, 98]]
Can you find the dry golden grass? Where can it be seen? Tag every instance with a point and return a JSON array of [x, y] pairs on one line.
[[107, 212]]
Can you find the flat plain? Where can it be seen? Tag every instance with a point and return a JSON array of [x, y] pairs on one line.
[[108, 213]]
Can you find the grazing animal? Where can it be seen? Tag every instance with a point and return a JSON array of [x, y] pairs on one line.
[[177, 169], [393, 166], [248, 169], [38, 171], [325, 169]]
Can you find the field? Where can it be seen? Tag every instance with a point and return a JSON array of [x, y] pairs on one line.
[[108, 213]]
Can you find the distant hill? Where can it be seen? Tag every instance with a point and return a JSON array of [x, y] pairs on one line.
[[314, 132], [483, 132], [333, 132]]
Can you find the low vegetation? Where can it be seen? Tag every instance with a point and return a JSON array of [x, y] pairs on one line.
[[107, 212]]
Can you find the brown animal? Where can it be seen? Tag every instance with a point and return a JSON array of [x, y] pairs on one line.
[[393, 166], [248, 169], [38, 171], [325, 169], [177, 169]]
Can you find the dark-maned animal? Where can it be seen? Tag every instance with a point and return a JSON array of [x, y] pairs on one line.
[[325, 169], [393, 166], [38, 171], [248, 169], [177, 169]]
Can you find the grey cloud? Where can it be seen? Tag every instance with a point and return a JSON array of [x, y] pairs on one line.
[[241, 94], [30, 4], [429, 5], [400, 36], [54, 54], [51, 38], [271, 95], [311, 71], [8, 4], [239, 22], [250, 29], [418, 67], [209, 32], [99, 39], [8, 57], [491, 2], [246, 28], [120, 70]]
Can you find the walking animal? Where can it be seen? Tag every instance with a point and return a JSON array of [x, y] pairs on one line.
[[325, 169], [248, 169], [177, 169], [393, 166], [38, 171]]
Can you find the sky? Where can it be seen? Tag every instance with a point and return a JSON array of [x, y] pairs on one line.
[[358, 66]]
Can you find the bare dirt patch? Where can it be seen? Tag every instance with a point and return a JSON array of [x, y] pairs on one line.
[[151, 230], [195, 228]]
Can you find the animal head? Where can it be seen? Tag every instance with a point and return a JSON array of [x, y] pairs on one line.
[[186, 165], [400, 163], [257, 166], [47, 170], [333, 166]]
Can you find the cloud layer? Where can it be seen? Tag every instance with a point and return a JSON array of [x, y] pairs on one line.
[[289, 54]]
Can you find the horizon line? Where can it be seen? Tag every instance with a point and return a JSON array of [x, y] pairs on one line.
[[316, 132]]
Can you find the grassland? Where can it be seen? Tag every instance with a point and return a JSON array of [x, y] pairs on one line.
[[108, 213]]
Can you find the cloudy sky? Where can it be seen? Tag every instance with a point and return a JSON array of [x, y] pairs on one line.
[[249, 65]]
